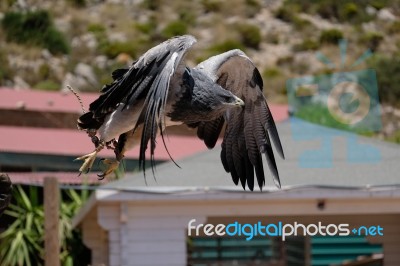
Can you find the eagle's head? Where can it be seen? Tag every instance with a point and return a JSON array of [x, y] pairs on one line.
[[203, 99], [210, 98]]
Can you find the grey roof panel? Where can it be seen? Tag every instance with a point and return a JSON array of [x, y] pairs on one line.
[[206, 170]]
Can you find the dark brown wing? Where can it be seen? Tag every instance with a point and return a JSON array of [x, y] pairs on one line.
[[249, 130]]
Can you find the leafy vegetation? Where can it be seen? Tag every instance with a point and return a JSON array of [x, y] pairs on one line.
[[226, 46], [212, 5], [48, 85], [271, 73], [331, 36], [96, 28], [188, 16], [252, 7], [395, 137], [34, 28], [5, 71], [394, 28], [307, 45], [113, 49], [174, 28], [372, 40], [22, 242], [78, 3], [250, 35], [146, 28], [387, 69], [337, 10], [287, 12]]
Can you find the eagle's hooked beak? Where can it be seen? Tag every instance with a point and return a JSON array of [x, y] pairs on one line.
[[238, 102]]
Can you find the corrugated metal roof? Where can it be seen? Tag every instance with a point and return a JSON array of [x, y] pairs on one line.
[[62, 177]]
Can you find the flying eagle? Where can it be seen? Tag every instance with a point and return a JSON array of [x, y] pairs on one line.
[[158, 91]]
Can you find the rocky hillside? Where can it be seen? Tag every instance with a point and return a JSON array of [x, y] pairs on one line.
[[48, 44]]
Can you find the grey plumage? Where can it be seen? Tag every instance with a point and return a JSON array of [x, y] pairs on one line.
[[159, 90]]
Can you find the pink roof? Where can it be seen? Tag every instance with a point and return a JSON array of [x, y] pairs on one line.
[[63, 178], [280, 112], [66, 102], [74, 142], [35, 100]]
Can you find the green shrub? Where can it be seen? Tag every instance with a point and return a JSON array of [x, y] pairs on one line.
[[22, 241], [145, 28], [395, 137], [287, 12], [96, 28], [44, 71], [34, 28], [379, 4], [48, 85], [188, 16], [394, 28], [151, 4], [250, 35], [271, 73], [174, 28], [300, 23], [342, 11], [113, 49], [78, 3], [226, 46], [387, 69], [349, 11], [331, 36], [252, 7], [253, 3], [285, 61], [306, 45], [212, 5], [272, 37], [5, 70], [55, 42], [372, 39]]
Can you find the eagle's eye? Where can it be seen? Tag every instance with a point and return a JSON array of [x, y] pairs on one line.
[[227, 98]]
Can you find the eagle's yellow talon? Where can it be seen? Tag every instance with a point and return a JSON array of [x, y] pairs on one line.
[[111, 165], [88, 162]]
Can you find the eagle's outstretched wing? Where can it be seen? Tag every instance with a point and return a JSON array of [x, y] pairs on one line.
[[147, 81], [248, 130]]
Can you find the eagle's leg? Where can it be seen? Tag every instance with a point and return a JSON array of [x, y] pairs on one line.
[[90, 158], [120, 147], [111, 164]]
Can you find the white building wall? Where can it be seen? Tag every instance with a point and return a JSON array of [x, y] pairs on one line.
[[155, 232]]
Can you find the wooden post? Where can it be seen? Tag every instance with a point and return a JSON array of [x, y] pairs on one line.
[[51, 221]]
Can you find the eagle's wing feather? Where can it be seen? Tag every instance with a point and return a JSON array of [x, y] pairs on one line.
[[147, 80], [248, 130], [133, 84]]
